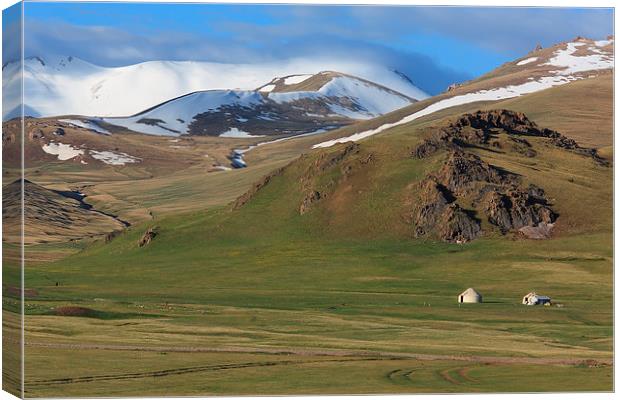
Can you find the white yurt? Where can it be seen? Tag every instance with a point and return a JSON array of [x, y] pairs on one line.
[[470, 296]]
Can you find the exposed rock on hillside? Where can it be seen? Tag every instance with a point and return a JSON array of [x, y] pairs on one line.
[[477, 129], [466, 186], [323, 163], [307, 202], [148, 236], [458, 225], [516, 208], [326, 161], [462, 169], [438, 213], [462, 196], [434, 199]]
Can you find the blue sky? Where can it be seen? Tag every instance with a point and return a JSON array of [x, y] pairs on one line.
[[433, 45]]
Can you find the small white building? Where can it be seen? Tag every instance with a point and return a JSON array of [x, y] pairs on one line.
[[533, 299], [470, 296]]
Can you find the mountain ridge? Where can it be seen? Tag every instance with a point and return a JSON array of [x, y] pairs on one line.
[[335, 100], [101, 91]]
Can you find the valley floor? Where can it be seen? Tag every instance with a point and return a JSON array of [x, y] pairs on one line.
[[351, 318]]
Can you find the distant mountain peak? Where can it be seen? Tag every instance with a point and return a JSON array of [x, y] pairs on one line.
[[289, 105]]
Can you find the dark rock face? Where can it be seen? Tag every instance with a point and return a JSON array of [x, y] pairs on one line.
[[439, 214], [458, 226], [453, 87], [516, 208], [273, 118], [434, 200], [462, 169], [510, 121]]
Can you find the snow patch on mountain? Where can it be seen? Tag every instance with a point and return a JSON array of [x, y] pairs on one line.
[[603, 43], [527, 61], [374, 99], [113, 158], [267, 88], [295, 79], [62, 151], [344, 96], [572, 64]]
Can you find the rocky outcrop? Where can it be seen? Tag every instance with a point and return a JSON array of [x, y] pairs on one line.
[[322, 163], [453, 87], [516, 208], [458, 225], [148, 236], [476, 129], [455, 198], [312, 197], [434, 198], [328, 160], [438, 214], [463, 169]]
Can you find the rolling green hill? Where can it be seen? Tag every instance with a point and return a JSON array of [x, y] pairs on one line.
[[318, 265]]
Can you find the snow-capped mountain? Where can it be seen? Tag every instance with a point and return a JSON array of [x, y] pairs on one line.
[[291, 105], [71, 86]]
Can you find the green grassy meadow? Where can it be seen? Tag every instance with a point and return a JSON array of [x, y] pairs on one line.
[[342, 299]]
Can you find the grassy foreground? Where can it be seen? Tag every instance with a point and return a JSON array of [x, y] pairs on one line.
[[348, 308]]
